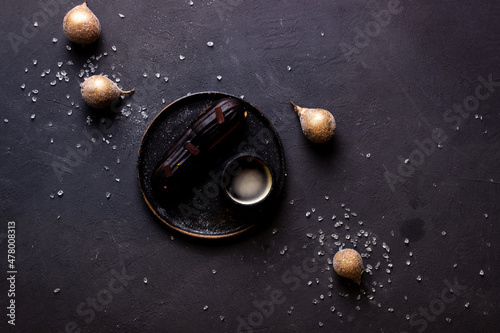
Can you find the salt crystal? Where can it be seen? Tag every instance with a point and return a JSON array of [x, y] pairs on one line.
[[108, 195], [205, 308], [121, 15], [113, 48], [33, 116], [289, 68], [68, 47], [6, 120], [157, 75], [165, 79], [182, 57], [481, 272], [219, 77], [210, 44], [35, 24], [54, 40], [60, 193], [35, 62]]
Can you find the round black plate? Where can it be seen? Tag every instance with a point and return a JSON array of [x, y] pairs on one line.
[[202, 209]]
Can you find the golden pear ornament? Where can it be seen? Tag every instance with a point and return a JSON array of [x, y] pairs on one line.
[[81, 26], [318, 125], [100, 92], [348, 263]]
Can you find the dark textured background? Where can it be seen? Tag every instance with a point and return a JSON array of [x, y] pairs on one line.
[[394, 91]]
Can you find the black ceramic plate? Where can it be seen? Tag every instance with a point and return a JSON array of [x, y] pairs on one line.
[[202, 209]]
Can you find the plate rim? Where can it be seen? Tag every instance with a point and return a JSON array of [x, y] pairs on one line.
[[189, 233]]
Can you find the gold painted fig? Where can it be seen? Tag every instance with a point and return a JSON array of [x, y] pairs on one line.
[[348, 263], [318, 125], [81, 26], [100, 92]]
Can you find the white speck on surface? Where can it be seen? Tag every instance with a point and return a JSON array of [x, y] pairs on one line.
[[219, 77], [407, 241], [121, 15], [289, 68], [53, 83], [443, 233], [6, 120], [368, 155], [191, 2], [113, 48], [33, 116], [275, 230], [68, 47], [448, 320], [181, 57], [481, 272], [165, 79], [210, 43], [486, 215], [108, 195], [54, 40], [205, 308], [57, 290], [157, 75], [419, 278], [407, 161], [145, 280], [308, 214], [35, 24], [60, 193], [145, 74], [35, 62]]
